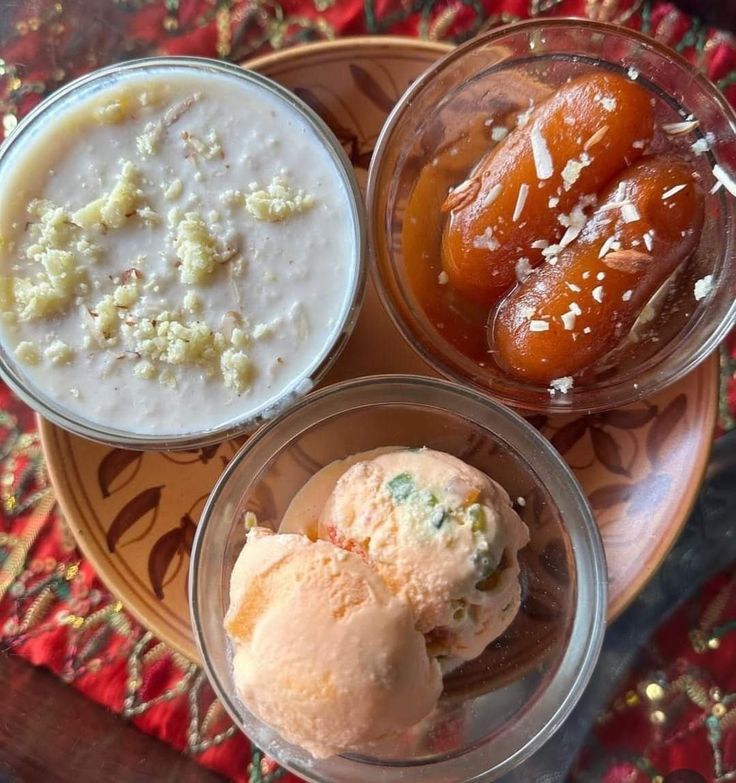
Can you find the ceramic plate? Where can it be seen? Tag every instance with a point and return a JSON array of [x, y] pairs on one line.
[[134, 513]]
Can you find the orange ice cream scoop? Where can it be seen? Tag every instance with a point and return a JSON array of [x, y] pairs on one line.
[[323, 652]]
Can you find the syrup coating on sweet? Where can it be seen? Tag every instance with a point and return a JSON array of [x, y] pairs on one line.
[[568, 314], [570, 146]]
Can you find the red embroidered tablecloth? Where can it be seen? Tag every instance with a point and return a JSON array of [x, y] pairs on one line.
[[53, 609]]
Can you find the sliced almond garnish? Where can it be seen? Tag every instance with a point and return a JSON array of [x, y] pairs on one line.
[[462, 195], [680, 128], [596, 137], [631, 261]]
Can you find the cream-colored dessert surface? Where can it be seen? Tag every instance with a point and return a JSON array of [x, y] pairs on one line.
[[289, 279], [302, 514], [323, 652]]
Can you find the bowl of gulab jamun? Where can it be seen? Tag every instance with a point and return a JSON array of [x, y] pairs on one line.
[[553, 209]]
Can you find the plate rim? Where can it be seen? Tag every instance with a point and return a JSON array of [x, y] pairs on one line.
[[48, 431], [620, 605], [394, 43]]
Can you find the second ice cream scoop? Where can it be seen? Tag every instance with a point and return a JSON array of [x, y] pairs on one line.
[[323, 652]]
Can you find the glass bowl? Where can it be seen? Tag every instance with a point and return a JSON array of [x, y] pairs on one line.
[[440, 122], [41, 121], [496, 710]]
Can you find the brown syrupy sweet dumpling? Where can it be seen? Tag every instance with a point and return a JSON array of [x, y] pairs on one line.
[[570, 146], [580, 305]]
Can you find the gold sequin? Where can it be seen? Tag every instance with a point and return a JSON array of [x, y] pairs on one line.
[[714, 643], [632, 699], [658, 717], [719, 710], [71, 572], [15, 84], [654, 691], [170, 23]]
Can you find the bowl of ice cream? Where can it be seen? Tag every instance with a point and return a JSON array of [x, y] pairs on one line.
[[173, 273], [552, 208], [398, 579]]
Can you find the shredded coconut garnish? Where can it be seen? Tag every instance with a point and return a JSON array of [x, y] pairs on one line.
[[528, 313], [443, 278], [629, 213], [538, 326], [673, 191], [598, 293], [611, 243], [572, 170], [725, 179], [520, 201], [648, 240], [492, 195], [523, 269], [608, 103], [573, 287], [539, 244], [700, 146], [703, 287], [575, 308], [600, 276], [540, 153], [486, 241], [499, 133], [633, 73], [561, 385], [553, 202], [521, 120], [587, 330], [627, 295], [568, 320]]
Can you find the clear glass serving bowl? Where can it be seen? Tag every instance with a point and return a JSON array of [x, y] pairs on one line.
[[501, 72], [31, 392], [496, 710]]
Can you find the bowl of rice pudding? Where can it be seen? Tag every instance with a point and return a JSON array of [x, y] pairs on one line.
[[181, 253]]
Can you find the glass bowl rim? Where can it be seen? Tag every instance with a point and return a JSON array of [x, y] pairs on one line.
[[418, 340], [589, 616], [58, 413]]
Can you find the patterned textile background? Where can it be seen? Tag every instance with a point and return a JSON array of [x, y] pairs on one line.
[[53, 609]]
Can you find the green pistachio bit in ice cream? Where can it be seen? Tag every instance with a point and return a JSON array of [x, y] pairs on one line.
[[401, 486], [438, 517]]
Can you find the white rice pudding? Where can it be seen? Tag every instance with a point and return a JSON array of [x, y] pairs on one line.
[[177, 251]]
